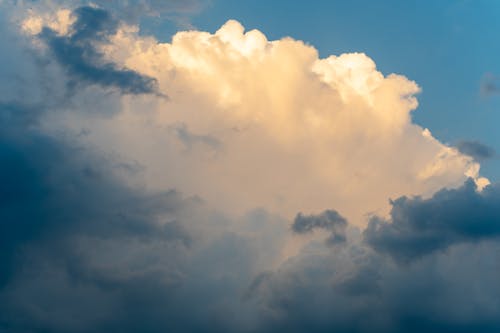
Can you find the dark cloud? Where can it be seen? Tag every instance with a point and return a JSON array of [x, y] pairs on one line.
[[355, 289], [477, 150], [329, 220], [418, 226], [82, 251], [18, 114], [77, 53], [75, 241], [53, 190], [74, 238]]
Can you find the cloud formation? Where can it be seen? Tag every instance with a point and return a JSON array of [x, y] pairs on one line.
[[201, 242], [419, 226], [353, 289], [338, 128]]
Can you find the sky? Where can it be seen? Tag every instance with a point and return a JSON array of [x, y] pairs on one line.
[[251, 166], [447, 47]]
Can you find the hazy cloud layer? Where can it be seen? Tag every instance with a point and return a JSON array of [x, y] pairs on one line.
[[89, 244]]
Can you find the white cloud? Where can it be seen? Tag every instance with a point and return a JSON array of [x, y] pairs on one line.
[[297, 133]]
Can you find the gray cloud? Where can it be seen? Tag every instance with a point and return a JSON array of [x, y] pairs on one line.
[[76, 53], [329, 220], [418, 226], [75, 240], [477, 150], [357, 290]]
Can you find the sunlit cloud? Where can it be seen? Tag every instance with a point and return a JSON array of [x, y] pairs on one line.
[[225, 182], [325, 131]]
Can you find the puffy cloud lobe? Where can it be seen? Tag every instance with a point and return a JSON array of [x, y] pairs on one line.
[[418, 227], [77, 53], [338, 127], [329, 220]]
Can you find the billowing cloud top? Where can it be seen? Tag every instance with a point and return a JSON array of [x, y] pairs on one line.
[[331, 131], [221, 182]]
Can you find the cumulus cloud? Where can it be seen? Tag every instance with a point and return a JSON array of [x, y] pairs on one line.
[[337, 132], [201, 242]]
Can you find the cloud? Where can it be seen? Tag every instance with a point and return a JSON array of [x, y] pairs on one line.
[[70, 226], [77, 53], [338, 128], [199, 242], [81, 248], [354, 289], [329, 220], [49, 194], [476, 150], [418, 227]]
